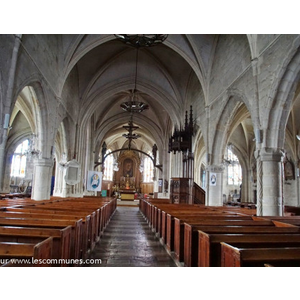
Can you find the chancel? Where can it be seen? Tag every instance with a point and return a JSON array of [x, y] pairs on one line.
[[194, 135]]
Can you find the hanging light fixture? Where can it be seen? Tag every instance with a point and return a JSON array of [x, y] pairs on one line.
[[141, 40], [32, 152], [133, 105], [137, 41]]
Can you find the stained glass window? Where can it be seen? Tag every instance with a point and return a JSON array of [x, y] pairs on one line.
[[148, 169], [18, 164], [234, 169], [108, 166]]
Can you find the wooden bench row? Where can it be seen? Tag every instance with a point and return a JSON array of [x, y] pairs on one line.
[[195, 236], [27, 254], [74, 224]]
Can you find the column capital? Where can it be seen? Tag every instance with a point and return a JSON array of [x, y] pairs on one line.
[[216, 168], [44, 162], [271, 154]]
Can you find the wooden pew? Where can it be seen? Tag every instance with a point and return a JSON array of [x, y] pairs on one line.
[[171, 214], [47, 223], [209, 244], [179, 231], [61, 239], [257, 257], [193, 218], [81, 211], [52, 214], [191, 236], [103, 208], [156, 212], [99, 211], [81, 208], [292, 209], [211, 220], [37, 255], [294, 220]]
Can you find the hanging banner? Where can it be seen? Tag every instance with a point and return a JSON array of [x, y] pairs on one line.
[[94, 181], [213, 179]]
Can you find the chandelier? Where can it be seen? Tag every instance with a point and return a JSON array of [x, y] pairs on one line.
[[141, 40], [133, 105], [33, 152]]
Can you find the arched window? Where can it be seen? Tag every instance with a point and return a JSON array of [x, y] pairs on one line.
[[18, 164], [234, 169], [108, 166], [148, 169]]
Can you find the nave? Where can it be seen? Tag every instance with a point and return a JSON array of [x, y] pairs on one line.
[[129, 242]]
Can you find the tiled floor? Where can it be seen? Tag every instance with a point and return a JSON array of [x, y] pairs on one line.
[[129, 242]]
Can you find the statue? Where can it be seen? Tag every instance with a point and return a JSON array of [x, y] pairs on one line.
[[154, 152], [104, 149], [127, 182], [166, 183]]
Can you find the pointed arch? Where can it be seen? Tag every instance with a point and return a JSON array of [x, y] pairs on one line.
[[282, 104]]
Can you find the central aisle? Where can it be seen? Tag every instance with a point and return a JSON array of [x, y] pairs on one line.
[[129, 242]]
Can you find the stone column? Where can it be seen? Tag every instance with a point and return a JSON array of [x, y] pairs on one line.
[[7, 105], [259, 185], [271, 202], [7, 178], [42, 174], [214, 185]]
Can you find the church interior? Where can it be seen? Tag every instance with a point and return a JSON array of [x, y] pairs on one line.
[[193, 138]]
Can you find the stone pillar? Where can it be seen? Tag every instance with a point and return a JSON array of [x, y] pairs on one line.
[[271, 186], [7, 178], [259, 183], [7, 105], [214, 185], [42, 174]]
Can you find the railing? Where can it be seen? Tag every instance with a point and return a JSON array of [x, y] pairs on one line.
[[198, 194]]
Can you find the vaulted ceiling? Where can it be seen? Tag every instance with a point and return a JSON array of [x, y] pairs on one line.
[[106, 69]]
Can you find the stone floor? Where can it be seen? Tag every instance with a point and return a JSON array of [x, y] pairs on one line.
[[129, 242]]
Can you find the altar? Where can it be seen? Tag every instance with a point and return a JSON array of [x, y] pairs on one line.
[[127, 194], [127, 187]]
